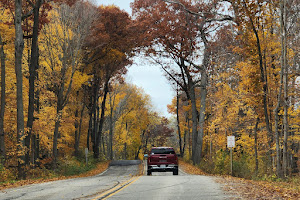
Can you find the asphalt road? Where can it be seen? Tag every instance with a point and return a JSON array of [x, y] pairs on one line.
[[119, 181]]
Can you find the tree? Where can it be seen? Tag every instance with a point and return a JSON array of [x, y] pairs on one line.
[[171, 36], [133, 122], [108, 50], [19, 46], [70, 27], [33, 66], [192, 23], [2, 109]]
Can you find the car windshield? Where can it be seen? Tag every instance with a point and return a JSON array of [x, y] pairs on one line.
[[163, 151]]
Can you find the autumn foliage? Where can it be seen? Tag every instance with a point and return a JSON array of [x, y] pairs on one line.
[[74, 60], [234, 65]]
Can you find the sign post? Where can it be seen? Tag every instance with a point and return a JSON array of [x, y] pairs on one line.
[[230, 144]]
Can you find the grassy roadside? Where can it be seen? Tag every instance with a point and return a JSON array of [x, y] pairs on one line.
[[47, 176], [250, 189]]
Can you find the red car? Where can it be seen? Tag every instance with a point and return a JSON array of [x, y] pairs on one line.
[[162, 159]]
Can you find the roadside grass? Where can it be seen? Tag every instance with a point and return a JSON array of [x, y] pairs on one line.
[[268, 188], [68, 169]]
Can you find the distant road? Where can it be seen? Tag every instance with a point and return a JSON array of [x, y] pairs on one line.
[[119, 181]]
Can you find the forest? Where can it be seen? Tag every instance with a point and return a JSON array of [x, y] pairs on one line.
[[234, 66]]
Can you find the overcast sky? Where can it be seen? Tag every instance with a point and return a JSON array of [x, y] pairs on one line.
[[144, 75]]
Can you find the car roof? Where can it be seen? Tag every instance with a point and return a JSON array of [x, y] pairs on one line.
[[162, 148]]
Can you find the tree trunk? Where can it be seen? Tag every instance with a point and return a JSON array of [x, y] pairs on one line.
[[263, 80], [2, 108], [103, 145], [178, 123], [277, 136], [19, 46], [255, 146], [110, 143], [189, 135], [192, 97], [59, 108], [76, 143], [94, 113], [55, 138], [80, 125], [99, 135], [32, 75], [285, 87], [194, 125], [90, 130], [184, 143], [203, 93], [37, 136], [279, 171]]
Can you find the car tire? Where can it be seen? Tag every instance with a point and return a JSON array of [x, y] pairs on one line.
[[175, 171], [149, 172]]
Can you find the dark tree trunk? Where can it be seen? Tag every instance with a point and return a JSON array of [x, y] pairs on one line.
[[110, 143], [90, 130], [94, 113], [178, 124], [194, 124], [32, 75], [203, 93], [59, 108], [283, 23], [77, 125], [199, 142], [99, 135], [95, 128], [279, 171], [36, 137], [76, 144], [103, 145], [184, 143], [19, 46], [191, 94], [2, 108], [55, 138], [80, 126], [256, 146], [189, 135], [263, 80]]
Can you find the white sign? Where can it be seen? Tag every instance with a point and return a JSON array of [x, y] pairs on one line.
[[230, 141]]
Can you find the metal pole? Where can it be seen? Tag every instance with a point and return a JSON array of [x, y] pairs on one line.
[[231, 160]]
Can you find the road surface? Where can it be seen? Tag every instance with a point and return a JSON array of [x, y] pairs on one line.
[[121, 181]]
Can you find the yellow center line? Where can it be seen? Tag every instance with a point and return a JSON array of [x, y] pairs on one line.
[[116, 189], [122, 188]]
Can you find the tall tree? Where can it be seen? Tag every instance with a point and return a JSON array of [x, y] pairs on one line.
[[2, 108], [193, 23], [19, 46], [284, 68], [32, 75], [70, 26], [108, 50]]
